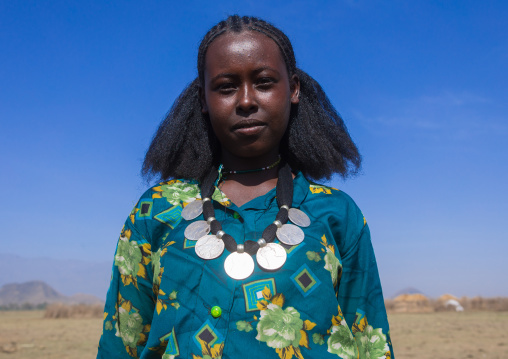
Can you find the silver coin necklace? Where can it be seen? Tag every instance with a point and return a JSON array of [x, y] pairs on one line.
[[239, 263]]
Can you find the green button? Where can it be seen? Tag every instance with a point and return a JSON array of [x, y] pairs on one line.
[[236, 215], [216, 311]]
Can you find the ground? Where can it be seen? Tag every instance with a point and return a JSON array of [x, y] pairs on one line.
[[444, 335], [450, 335], [37, 337]]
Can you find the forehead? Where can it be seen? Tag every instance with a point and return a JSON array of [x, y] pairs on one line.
[[247, 48]]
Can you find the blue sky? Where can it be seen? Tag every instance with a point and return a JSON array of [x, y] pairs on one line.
[[422, 86]]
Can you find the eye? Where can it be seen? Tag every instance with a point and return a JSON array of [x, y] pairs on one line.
[[225, 87], [264, 83]]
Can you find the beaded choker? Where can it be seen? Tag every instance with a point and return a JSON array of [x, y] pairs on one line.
[[239, 263], [224, 172]]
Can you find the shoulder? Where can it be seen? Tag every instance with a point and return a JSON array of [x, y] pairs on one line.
[[317, 188], [159, 208], [336, 210], [163, 196], [333, 200], [176, 191]]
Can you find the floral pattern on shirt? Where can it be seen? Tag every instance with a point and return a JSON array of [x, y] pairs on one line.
[[131, 258], [281, 329], [372, 343], [176, 191], [363, 341], [129, 326], [132, 215], [317, 188], [164, 299], [341, 340], [332, 263], [210, 352], [221, 197], [176, 278], [156, 265]]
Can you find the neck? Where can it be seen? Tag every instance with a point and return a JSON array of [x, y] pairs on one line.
[[235, 163], [241, 188], [247, 174], [268, 177]]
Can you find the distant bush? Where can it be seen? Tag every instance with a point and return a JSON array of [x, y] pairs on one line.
[[403, 305], [409, 303], [498, 304], [23, 306], [59, 310]]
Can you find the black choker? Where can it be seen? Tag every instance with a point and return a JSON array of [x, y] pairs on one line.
[[223, 172], [239, 264]]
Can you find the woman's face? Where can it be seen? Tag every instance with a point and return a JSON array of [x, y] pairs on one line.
[[248, 94]]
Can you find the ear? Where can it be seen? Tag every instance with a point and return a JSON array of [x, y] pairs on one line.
[[295, 89], [202, 99]]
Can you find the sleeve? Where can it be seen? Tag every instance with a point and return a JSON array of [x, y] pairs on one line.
[[360, 294], [130, 299]]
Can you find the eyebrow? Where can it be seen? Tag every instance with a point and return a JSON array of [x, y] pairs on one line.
[[256, 71]]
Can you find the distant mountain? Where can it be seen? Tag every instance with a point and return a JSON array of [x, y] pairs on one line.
[[37, 292], [67, 276]]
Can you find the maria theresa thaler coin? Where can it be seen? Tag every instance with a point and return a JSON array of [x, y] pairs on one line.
[[239, 265], [298, 217], [290, 234], [209, 247], [196, 230], [271, 257], [192, 210]]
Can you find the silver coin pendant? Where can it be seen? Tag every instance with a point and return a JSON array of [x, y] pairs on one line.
[[271, 257], [298, 217], [290, 234], [239, 265], [196, 230], [192, 210], [209, 247]]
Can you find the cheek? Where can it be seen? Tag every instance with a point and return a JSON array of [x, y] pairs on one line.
[[283, 129], [218, 129], [282, 118], [219, 109]]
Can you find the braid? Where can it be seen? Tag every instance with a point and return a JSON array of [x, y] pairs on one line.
[[316, 141], [238, 24]]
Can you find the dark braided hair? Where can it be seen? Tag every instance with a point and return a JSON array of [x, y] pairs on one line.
[[316, 141], [238, 24]]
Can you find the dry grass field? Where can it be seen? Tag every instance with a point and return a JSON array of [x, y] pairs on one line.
[[450, 335], [30, 335], [439, 335]]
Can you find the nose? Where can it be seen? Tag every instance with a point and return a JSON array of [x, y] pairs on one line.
[[247, 100]]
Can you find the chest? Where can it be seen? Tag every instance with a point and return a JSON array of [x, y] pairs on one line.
[[240, 193], [302, 293]]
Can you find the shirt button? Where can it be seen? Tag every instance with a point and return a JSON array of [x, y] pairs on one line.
[[216, 311]]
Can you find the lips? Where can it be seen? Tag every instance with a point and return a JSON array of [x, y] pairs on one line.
[[247, 123], [248, 127]]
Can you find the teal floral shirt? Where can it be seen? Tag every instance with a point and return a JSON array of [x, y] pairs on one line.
[[325, 302]]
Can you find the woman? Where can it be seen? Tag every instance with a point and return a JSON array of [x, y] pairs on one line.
[[243, 256]]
